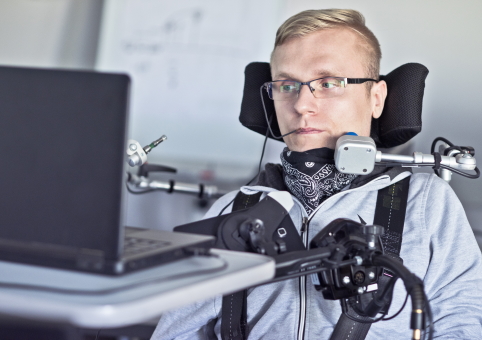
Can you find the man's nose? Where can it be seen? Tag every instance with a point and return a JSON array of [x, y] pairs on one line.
[[306, 101]]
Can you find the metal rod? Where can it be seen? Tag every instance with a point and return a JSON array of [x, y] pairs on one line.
[[396, 158], [204, 191]]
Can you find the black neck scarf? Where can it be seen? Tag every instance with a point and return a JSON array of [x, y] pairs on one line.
[[311, 176]]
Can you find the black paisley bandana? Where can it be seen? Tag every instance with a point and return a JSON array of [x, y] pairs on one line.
[[311, 176]]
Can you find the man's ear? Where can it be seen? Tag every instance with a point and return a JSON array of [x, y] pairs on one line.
[[378, 93]]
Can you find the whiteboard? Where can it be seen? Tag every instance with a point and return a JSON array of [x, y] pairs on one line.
[[186, 59]]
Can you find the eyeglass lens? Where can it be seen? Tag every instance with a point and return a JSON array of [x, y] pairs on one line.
[[321, 88]]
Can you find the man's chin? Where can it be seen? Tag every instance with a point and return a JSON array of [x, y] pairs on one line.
[[305, 145]]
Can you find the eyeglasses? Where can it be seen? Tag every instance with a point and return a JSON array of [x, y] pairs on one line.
[[325, 87]]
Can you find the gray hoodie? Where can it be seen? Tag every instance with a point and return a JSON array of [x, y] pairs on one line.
[[438, 246]]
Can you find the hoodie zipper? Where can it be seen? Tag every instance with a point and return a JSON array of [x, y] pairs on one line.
[[302, 279]]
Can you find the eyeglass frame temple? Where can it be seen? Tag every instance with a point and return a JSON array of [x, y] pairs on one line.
[[359, 80]]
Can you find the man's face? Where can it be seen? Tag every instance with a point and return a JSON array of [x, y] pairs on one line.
[[330, 52]]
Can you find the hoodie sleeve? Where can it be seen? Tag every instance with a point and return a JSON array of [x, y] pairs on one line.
[[194, 321], [453, 281]]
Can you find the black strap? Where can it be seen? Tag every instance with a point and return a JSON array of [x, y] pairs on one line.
[[243, 201], [234, 316], [171, 186], [348, 329], [234, 324], [390, 213], [437, 159]]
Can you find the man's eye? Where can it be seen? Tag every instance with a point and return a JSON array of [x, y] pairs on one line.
[[287, 88], [330, 84]]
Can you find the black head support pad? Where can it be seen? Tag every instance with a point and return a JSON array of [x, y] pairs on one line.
[[401, 118]]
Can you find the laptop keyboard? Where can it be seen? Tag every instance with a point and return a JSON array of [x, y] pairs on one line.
[[135, 245]]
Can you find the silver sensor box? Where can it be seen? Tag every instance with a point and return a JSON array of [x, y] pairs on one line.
[[355, 154]]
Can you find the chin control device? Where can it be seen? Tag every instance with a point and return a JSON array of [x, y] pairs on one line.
[[358, 155], [355, 154]]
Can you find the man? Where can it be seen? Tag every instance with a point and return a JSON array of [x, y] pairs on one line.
[[314, 52]]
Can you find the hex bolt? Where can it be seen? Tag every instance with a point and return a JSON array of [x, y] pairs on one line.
[[358, 260]]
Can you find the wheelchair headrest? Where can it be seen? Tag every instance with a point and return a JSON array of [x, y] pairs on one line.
[[401, 118]]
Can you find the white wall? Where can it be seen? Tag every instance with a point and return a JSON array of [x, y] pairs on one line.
[[49, 33]]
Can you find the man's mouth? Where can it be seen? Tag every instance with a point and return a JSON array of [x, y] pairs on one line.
[[308, 130]]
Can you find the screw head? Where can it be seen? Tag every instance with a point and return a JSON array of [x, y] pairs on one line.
[[371, 275], [346, 280], [360, 290]]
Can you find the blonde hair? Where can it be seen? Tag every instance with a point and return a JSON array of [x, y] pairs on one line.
[[310, 21]]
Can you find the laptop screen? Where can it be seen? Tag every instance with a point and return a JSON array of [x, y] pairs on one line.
[[63, 135]]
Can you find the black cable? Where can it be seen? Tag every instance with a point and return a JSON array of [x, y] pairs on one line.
[[260, 159], [407, 165], [381, 243], [432, 148], [227, 205], [414, 287], [461, 173], [256, 176], [392, 283], [268, 121], [397, 313], [411, 165], [345, 311], [447, 151], [378, 296], [117, 289]]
